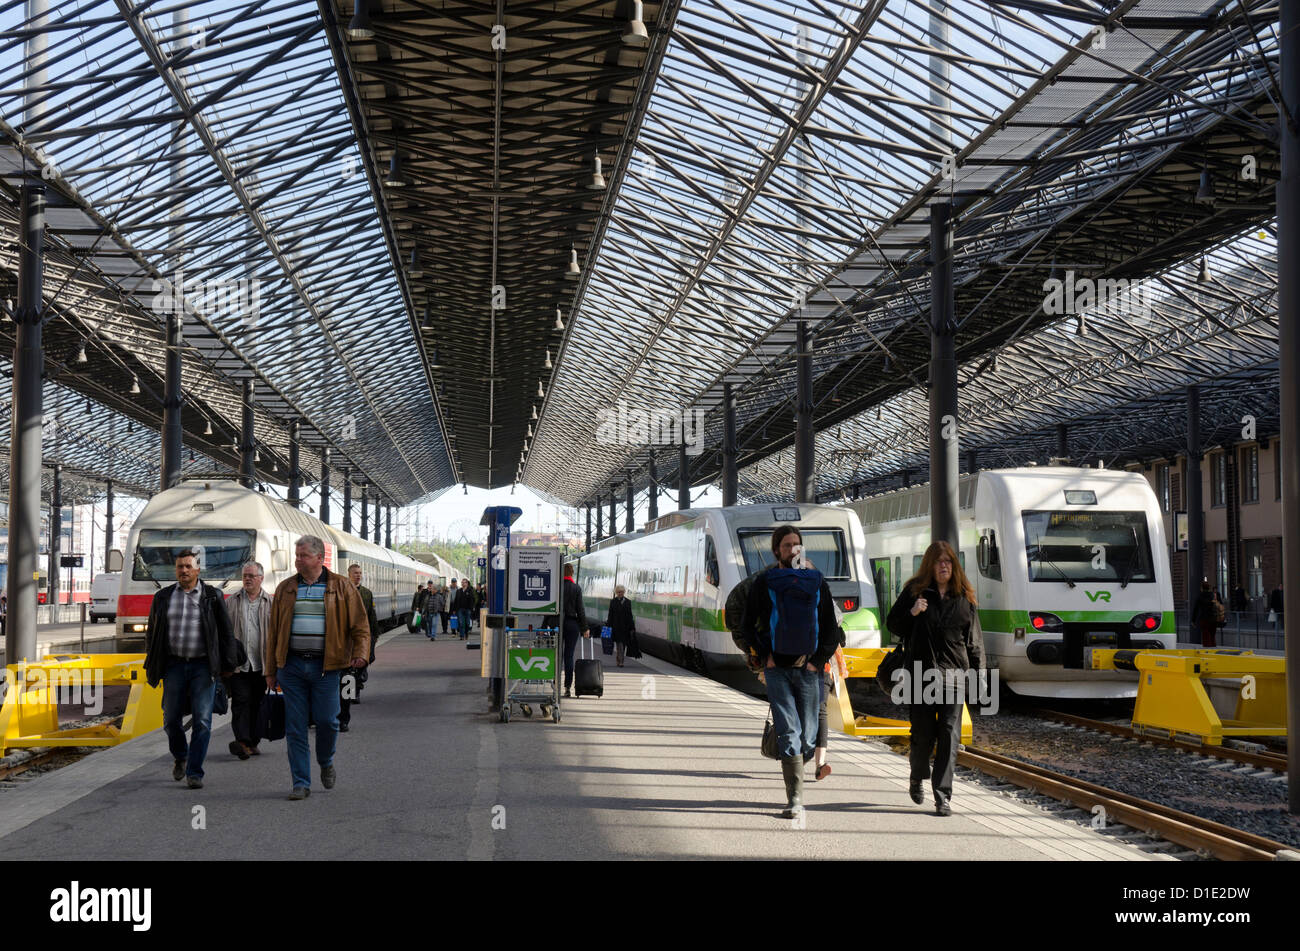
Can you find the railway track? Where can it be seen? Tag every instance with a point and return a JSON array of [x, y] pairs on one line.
[[1192, 832], [15, 768], [1262, 759]]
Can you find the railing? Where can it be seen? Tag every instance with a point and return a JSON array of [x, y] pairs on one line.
[[1251, 630]]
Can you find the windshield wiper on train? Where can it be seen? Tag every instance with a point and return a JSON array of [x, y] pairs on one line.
[[142, 567], [1038, 545], [1131, 567]]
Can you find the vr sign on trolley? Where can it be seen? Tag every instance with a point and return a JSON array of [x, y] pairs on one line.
[[534, 581]]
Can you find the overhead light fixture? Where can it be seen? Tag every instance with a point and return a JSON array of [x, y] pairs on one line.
[[1205, 194], [135, 385], [416, 271], [1082, 329], [442, 389], [573, 271], [191, 455], [530, 430], [1204, 276], [433, 361], [465, 486], [541, 393], [548, 361], [394, 177], [1056, 273], [635, 34], [207, 428], [534, 411], [81, 352], [877, 414], [88, 408], [130, 426], [596, 181], [559, 319], [360, 28], [257, 456]]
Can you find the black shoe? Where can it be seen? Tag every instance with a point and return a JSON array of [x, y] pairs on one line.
[[178, 770], [193, 782], [566, 692], [237, 749], [942, 807], [343, 728], [914, 790], [328, 776]]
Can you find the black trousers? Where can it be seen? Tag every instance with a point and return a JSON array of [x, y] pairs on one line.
[[935, 723], [359, 676], [571, 637], [246, 692]]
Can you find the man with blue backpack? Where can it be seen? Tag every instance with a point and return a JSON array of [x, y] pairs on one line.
[[790, 623]]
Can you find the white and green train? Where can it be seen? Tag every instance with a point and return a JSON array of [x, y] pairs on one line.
[[1065, 559], [680, 570]]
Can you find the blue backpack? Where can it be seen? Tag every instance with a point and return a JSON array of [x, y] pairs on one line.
[[795, 595]]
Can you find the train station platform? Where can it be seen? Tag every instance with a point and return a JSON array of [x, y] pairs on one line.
[[664, 766]]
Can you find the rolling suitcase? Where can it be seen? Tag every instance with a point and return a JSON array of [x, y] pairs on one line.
[[588, 675]]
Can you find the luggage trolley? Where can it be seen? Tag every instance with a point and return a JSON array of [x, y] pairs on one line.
[[532, 672]]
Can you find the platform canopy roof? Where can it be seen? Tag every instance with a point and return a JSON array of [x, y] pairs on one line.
[[417, 225]]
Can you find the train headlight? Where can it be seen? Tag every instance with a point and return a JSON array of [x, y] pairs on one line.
[[1146, 622], [1044, 623], [139, 628]]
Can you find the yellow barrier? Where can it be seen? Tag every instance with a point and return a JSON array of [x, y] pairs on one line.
[[30, 713], [1173, 698], [864, 662]]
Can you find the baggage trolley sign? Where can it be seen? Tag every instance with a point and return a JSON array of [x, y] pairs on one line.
[[534, 581]]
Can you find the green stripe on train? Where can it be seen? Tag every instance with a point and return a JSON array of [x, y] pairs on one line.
[[676, 616]]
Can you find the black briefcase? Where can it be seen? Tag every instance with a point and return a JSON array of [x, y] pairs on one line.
[[272, 715]]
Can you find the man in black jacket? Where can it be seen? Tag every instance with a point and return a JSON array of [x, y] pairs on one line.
[[188, 644], [575, 624], [794, 680]]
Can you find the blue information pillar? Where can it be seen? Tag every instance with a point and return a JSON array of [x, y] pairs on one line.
[[498, 519]]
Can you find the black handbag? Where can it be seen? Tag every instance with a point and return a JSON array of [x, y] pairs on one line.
[[220, 699], [768, 746], [633, 648], [896, 659], [271, 716]]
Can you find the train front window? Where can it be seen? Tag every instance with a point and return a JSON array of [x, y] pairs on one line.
[[1088, 546], [222, 553], [823, 546]]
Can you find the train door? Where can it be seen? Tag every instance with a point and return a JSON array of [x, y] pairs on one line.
[[882, 574]]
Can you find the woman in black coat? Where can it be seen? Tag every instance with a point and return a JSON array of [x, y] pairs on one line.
[[936, 619], [621, 623]]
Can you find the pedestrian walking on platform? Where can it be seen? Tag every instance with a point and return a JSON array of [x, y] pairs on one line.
[[429, 620], [790, 622], [318, 629], [249, 611], [936, 620], [437, 608], [418, 605], [620, 623], [573, 624], [188, 644], [445, 613], [462, 603], [1207, 612], [354, 679]]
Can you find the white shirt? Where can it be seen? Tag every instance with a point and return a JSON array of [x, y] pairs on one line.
[[252, 608]]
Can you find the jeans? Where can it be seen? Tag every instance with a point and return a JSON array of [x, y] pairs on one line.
[[463, 621], [426, 622], [795, 695], [310, 692], [187, 688], [933, 722], [444, 615], [571, 635]]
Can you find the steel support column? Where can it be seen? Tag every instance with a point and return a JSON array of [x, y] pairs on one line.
[[295, 476], [109, 534], [588, 545], [388, 526], [804, 477], [247, 441], [56, 537], [1062, 441], [1288, 246], [347, 501], [172, 432], [683, 479], [631, 501], [25, 431], [365, 512], [600, 520], [1195, 514], [652, 503], [325, 485], [613, 510], [730, 477], [944, 442]]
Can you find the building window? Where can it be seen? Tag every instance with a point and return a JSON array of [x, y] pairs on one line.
[[1221, 570], [1162, 486], [1254, 551], [1218, 478], [1250, 474]]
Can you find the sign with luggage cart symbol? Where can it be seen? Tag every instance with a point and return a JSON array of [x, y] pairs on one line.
[[534, 581]]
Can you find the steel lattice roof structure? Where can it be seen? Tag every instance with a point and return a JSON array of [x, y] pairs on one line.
[[766, 164]]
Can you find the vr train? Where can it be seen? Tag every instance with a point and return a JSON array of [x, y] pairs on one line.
[[1064, 559], [680, 570], [229, 525]]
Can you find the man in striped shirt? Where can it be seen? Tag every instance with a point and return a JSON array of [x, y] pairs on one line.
[[318, 629]]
